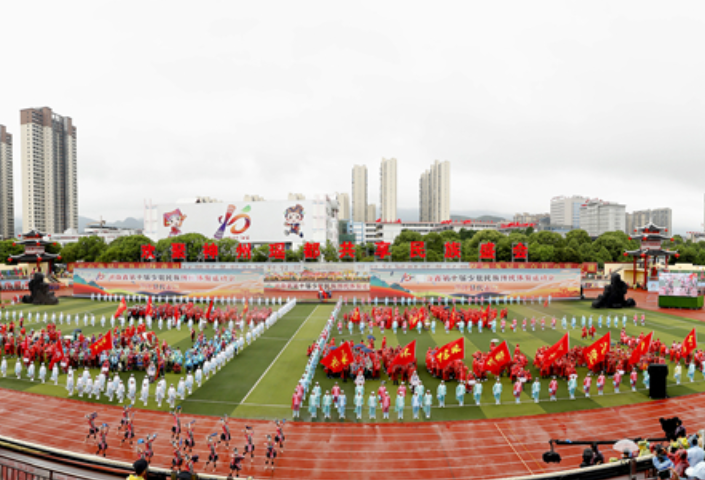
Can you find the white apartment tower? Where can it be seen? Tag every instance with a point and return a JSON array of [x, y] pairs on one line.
[[434, 193], [598, 217], [49, 189], [359, 193], [565, 211], [371, 212], [388, 189], [7, 196], [343, 206]]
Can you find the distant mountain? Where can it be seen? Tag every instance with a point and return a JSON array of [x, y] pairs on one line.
[[412, 215], [129, 222], [484, 218]]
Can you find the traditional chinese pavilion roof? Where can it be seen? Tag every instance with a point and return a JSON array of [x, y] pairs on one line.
[[33, 258], [33, 237], [651, 252], [652, 232]]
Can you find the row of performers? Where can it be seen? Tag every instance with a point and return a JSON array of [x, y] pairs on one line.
[[133, 348], [385, 317], [193, 312]]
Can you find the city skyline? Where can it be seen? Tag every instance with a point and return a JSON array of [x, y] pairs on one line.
[[288, 112]]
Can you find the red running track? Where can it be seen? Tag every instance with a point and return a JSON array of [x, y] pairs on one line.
[[496, 448]]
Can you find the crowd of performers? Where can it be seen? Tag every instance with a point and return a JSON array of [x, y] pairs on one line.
[[132, 347], [184, 443], [372, 362]]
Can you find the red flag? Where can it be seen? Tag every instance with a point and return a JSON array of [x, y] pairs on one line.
[[104, 343], [406, 356], [449, 352], [208, 311], [339, 358], [497, 359], [121, 308], [556, 351], [641, 349], [245, 308], [59, 351], [150, 310], [689, 344], [596, 352], [415, 319]]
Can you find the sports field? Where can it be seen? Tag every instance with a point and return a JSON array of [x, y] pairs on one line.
[[260, 381]]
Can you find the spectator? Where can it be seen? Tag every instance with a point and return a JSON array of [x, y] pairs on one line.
[[587, 458], [140, 467], [695, 453], [598, 458], [662, 463]]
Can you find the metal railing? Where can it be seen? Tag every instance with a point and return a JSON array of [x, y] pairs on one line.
[[13, 467]]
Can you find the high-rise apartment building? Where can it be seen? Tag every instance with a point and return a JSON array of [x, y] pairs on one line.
[[7, 196], [343, 206], [49, 188], [359, 193], [565, 211], [388, 189], [598, 217], [662, 217], [434, 193], [371, 212]]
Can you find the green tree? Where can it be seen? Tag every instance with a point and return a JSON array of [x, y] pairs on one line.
[[503, 250], [227, 249], [466, 234], [400, 253], [87, 249], [603, 256], [484, 236], [545, 237], [544, 253], [125, 249], [572, 255], [450, 236], [407, 236], [579, 235], [193, 244], [330, 253], [7, 249]]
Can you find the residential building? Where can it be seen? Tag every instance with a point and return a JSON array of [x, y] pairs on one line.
[[359, 193], [253, 198], [425, 197], [371, 212], [434, 193], [536, 218], [598, 217], [49, 171], [344, 206], [372, 232], [662, 217], [296, 196], [7, 196], [565, 211], [388, 189]]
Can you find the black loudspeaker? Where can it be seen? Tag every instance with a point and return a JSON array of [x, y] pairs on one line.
[[658, 373]]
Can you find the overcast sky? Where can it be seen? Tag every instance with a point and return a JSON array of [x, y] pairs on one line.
[[527, 100]]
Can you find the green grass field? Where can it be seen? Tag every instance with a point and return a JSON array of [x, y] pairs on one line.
[[260, 381]]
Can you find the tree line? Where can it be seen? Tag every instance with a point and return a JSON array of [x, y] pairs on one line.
[[577, 246]]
